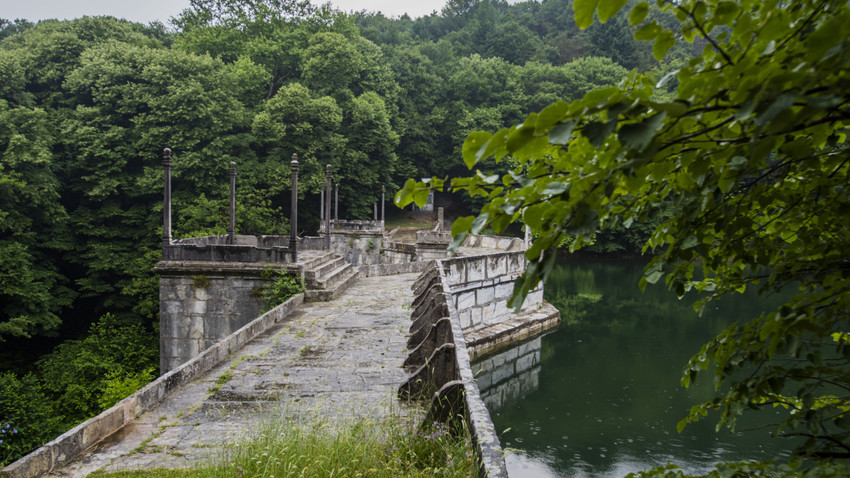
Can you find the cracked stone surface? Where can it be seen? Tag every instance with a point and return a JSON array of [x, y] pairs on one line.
[[341, 359]]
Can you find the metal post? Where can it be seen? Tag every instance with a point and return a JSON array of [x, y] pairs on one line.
[[293, 216], [383, 200], [336, 205], [329, 177], [166, 207], [231, 232]]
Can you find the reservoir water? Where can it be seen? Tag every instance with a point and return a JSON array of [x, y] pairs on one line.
[[600, 397]]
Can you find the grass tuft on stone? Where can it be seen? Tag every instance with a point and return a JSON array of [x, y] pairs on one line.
[[287, 447]]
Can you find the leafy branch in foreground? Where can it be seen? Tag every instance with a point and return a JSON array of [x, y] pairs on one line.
[[751, 152]]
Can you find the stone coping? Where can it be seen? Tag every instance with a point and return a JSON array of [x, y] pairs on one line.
[[526, 325], [76, 440]]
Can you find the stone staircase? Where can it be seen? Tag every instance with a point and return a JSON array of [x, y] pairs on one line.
[[326, 276]]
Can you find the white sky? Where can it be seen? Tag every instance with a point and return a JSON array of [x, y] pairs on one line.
[[146, 11]]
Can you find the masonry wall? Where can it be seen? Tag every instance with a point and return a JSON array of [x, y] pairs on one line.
[[482, 286], [510, 375], [197, 310]]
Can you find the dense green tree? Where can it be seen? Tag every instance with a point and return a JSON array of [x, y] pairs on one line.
[[79, 373], [294, 121], [752, 153], [132, 101], [28, 416], [33, 292]]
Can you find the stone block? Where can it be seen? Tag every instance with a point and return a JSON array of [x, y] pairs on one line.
[[504, 290], [455, 273], [488, 314], [198, 307], [475, 270], [497, 265], [185, 326], [465, 300], [465, 317], [533, 300], [485, 295], [476, 316], [501, 310]]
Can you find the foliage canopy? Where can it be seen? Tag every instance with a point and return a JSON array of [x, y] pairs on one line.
[[751, 151]]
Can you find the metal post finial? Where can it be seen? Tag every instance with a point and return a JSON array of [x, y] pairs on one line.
[[293, 220], [327, 205], [166, 207], [231, 232]]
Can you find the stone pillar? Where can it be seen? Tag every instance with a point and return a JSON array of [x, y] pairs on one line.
[[439, 219], [322, 205], [527, 237], [329, 178], [336, 204], [383, 201], [166, 206], [231, 231], [375, 211], [293, 215]]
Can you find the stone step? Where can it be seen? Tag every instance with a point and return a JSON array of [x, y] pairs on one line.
[[314, 276], [318, 261], [341, 281], [334, 277]]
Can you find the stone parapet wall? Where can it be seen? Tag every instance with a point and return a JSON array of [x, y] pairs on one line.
[[70, 444], [227, 253], [355, 225], [238, 240], [360, 247], [203, 302], [500, 243], [441, 372], [481, 288]]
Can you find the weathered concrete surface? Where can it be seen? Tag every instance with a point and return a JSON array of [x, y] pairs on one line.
[[341, 359]]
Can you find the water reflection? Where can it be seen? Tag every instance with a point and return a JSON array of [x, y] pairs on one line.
[[601, 396]]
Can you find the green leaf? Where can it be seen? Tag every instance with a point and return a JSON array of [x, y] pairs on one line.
[[608, 9], [584, 12], [597, 132], [462, 224], [554, 188], [479, 223], [561, 133], [519, 138], [474, 143], [638, 13], [637, 136], [724, 13], [663, 42], [550, 115], [648, 32]]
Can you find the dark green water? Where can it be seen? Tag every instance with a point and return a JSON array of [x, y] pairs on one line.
[[600, 397]]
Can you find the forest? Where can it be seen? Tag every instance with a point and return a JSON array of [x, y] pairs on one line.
[[87, 106]]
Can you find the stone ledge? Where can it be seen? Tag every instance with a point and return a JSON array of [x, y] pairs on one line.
[[76, 440], [495, 337], [229, 268]]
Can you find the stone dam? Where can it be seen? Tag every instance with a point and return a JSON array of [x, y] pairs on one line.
[[384, 327]]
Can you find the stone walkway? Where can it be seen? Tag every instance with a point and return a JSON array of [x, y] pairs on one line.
[[341, 359]]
